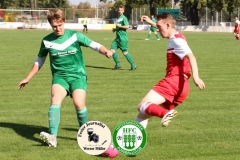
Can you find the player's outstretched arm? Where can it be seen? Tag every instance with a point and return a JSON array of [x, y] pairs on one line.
[[33, 71], [198, 82], [101, 49], [148, 20], [105, 51]]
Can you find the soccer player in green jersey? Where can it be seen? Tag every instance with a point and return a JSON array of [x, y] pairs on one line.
[[121, 40], [153, 29], [68, 71]]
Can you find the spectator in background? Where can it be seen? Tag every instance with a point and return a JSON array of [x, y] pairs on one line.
[[84, 22]]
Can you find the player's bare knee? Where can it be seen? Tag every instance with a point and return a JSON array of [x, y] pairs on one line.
[[56, 99], [79, 105]]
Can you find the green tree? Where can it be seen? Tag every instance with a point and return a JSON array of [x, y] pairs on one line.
[[153, 5], [231, 5], [4, 4], [191, 9], [85, 10]]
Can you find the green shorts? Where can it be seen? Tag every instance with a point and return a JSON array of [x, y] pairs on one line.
[[123, 45], [71, 84], [153, 29]]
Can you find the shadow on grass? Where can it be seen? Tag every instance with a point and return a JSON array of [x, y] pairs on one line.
[[101, 67], [71, 129], [26, 131], [97, 67]]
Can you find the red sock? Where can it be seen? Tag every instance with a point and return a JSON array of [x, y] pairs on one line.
[[153, 109]]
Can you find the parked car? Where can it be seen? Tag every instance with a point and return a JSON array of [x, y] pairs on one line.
[[133, 26]]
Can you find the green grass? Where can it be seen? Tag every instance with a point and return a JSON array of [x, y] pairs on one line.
[[207, 126]]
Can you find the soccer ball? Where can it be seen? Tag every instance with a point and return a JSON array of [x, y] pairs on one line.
[[111, 152]]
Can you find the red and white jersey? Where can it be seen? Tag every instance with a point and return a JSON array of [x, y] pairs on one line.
[[236, 29], [178, 48]]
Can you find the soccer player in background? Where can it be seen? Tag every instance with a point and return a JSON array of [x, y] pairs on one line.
[[153, 29], [172, 90], [68, 71], [237, 29], [121, 40]]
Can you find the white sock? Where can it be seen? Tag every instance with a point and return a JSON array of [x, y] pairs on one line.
[[144, 107], [143, 122]]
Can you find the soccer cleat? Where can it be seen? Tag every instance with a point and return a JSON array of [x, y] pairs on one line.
[[168, 117], [158, 39], [147, 39], [50, 139], [134, 67], [116, 67]]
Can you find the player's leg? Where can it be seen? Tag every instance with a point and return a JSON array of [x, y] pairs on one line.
[[157, 36], [154, 103], [114, 47], [86, 29], [180, 89], [58, 93], [149, 106], [149, 35], [123, 45], [78, 90]]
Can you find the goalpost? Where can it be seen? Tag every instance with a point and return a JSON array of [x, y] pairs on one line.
[[31, 19]]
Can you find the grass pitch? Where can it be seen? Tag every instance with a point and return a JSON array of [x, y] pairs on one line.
[[207, 126]]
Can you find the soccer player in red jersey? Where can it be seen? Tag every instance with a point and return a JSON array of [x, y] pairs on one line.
[[237, 28], [172, 90]]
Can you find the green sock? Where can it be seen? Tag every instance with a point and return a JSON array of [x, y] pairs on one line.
[[54, 118], [157, 36], [115, 57], [129, 58], [149, 35], [82, 116]]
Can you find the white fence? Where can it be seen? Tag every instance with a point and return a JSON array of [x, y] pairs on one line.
[[77, 26]]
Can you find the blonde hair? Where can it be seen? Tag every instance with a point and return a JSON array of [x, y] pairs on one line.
[[55, 15]]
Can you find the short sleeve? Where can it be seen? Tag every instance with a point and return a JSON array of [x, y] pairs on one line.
[[181, 47], [43, 51], [83, 40]]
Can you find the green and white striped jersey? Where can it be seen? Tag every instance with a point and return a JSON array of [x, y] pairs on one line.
[[65, 54]]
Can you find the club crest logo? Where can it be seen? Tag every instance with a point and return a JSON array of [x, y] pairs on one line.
[[129, 137]]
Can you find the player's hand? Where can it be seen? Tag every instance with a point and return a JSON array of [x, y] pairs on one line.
[[113, 29], [22, 83], [198, 82], [109, 53], [146, 19]]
